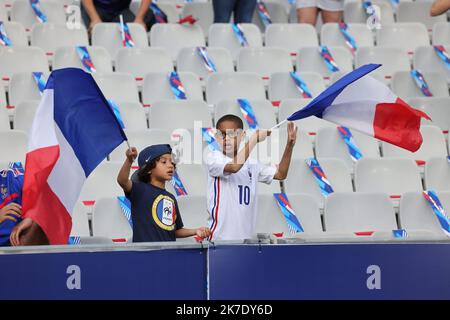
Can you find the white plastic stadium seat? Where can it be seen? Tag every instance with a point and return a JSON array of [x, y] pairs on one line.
[[108, 35], [426, 59], [21, 59], [441, 33], [109, 221], [140, 61], [117, 86], [22, 86], [24, 115], [392, 176], [222, 35], [66, 57], [170, 115], [174, 37], [302, 180], [406, 35], [270, 219], [311, 124], [359, 212], [433, 145], [330, 35], [437, 174], [263, 109], [229, 85], [282, 86], [202, 11], [416, 213], [392, 60], [156, 87], [309, 59], [15, 142], [133, 115], [22, 12], [436, 108], [404, 85], [140, 139], [193, 177], [3, 13], [49, 36], [329, 144], [189, 60], [355, 13], [418, 11], [277, 13], [16, 33], [193, 210], [291, 37], [264, 61], [80, 222], [303, 147]]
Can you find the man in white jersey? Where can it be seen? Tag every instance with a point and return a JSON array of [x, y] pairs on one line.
[[233, 179]]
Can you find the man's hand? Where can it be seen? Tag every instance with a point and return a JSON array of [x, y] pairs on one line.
[[131, 154], [11, 211], [18, 230], [292, 134], [203, 232]]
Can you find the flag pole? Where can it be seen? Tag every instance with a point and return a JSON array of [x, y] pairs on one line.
[[277, 125]]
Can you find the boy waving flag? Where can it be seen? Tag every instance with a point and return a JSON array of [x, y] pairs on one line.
[[365, 104], [74, 129]]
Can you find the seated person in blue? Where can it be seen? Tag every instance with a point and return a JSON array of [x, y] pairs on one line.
[[154, 211], [96, 11]]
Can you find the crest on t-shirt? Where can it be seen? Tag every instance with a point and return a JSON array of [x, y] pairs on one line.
[[164, 213]]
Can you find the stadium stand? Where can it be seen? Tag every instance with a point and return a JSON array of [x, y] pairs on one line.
[[22, 86], [291, 37], [436, 108], [403, 84], [277, 13], [16, 33], [22, 12], [66, 57], [281, 85]]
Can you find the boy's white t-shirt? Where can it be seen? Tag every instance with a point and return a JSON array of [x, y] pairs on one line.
[[232, 197]]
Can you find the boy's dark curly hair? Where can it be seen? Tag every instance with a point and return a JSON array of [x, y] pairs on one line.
[[143, 174]]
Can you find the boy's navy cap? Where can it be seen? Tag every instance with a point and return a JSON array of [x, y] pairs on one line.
[[152, 152]]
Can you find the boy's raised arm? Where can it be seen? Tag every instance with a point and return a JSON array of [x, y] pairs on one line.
[[285, 162], [242, 156], [124, 173]]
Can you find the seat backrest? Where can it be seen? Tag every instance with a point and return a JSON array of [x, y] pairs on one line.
[[282, 86], [193, 177], [436, 107], [426, 59], [174, 37], [277, 13], [264, 61], [202, 11], [193, 210], [157, 87], [80, 222], [22, 59], [22, 12], [170, 115], [329, 144], [302, 180], [222, 35], [418, 11], [404, 85], [24, 115], [291, 37], [108, 35], [441, 33], [358, 212], [355, 13], [433, 145], [416, 212], [231, 85], [109, 221], [66, 57], [22, 86], [263, 109], [330, 35], [393, 176], [406, 35], [309, 59], [15, 32], [133, 115], [15, 141], [140, 61], [437, 174], [117, 86]]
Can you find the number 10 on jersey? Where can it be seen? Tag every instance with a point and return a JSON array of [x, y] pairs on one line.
[[244, 194]]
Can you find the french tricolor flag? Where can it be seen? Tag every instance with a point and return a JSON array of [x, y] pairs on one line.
[[74, 129], [360, 102]]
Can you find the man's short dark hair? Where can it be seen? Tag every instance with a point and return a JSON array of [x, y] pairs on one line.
[[232, 118]]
